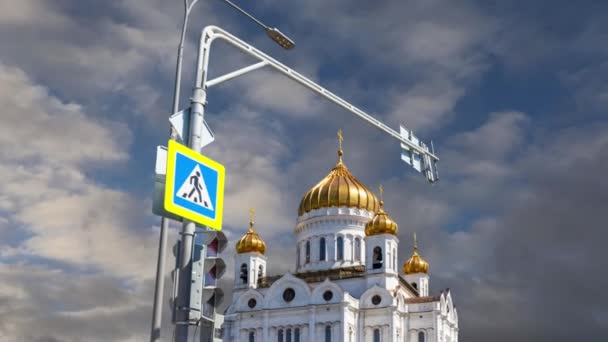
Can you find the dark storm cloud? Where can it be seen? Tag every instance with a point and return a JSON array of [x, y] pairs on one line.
[[537, 273]]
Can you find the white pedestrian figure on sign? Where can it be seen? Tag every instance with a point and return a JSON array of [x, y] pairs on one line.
[[194, 189], [197, 187]]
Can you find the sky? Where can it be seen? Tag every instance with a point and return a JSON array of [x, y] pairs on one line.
[[513, 95]]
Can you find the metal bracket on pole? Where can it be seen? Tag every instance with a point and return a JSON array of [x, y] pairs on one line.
[[235, 74]]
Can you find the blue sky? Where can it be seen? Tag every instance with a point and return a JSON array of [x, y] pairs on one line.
[[512, 94]]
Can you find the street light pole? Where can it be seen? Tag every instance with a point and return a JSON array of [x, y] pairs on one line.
[[197, 109], [159, 285], [196, 122], [197, 112]]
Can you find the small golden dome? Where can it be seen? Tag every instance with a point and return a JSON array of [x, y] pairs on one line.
[[251, 241], [415, 264], [338, 189], [381, 223]]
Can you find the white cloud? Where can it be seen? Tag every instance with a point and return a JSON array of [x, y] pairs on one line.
[[22, 12], [269, 90], [40, 126], [427, 105], [484, 152], [251, 152], [44, 145]]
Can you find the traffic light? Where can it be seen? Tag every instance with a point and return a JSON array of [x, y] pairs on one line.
[[214, 268], [422, 162], [207, 268]]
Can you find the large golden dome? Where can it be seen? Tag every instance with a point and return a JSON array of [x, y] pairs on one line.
[[251, 241], [381, 223], [338, 189], [415, 264]]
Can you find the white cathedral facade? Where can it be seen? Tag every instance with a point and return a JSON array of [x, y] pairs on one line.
[[347, 285]]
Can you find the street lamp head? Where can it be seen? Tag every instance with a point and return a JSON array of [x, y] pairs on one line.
[[280, 38]]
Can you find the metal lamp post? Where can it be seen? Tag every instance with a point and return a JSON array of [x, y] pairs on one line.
[[276, 36], [420, 157], [159, 284]]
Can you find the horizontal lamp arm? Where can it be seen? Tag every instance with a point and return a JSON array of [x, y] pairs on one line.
[[210, 33]]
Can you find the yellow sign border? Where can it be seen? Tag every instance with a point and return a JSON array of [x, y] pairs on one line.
[[173, 148]]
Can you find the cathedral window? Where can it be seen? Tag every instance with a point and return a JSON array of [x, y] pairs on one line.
[[280, 335], [322, 248], [289, 294], [421, 336], [394, 259], [251, 336], [260, 272], [328, 333], [357, 249], [298, 255], [377, 258], [376, 335], [340, 247], [288, 336], [307, 252], [296, 335], [244, 273]]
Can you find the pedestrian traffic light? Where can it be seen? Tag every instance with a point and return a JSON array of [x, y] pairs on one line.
[[207, 268], [214, 268]]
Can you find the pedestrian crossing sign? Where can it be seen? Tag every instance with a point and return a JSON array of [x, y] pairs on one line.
[[195, 186]]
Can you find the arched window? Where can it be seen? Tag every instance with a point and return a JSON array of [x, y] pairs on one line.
[[376, 335], [340, 247], [288, 336], [296, 335], [415, 286], [328, 333], [322, 249], [377, 258], [421, 336], [244, 273], [251, 336], [357, 249], [394, 259], [260, 272], [298, 255], [307, 252], [280, 335]]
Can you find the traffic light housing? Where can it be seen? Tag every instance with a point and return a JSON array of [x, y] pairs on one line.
[[214, 269], [421, 162], [207, 268]]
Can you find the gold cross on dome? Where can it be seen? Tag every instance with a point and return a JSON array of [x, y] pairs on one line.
[[251, 216], [340, 138], [415, 242], [381, 190]]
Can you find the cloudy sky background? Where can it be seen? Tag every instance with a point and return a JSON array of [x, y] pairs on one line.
[[513, 95]]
